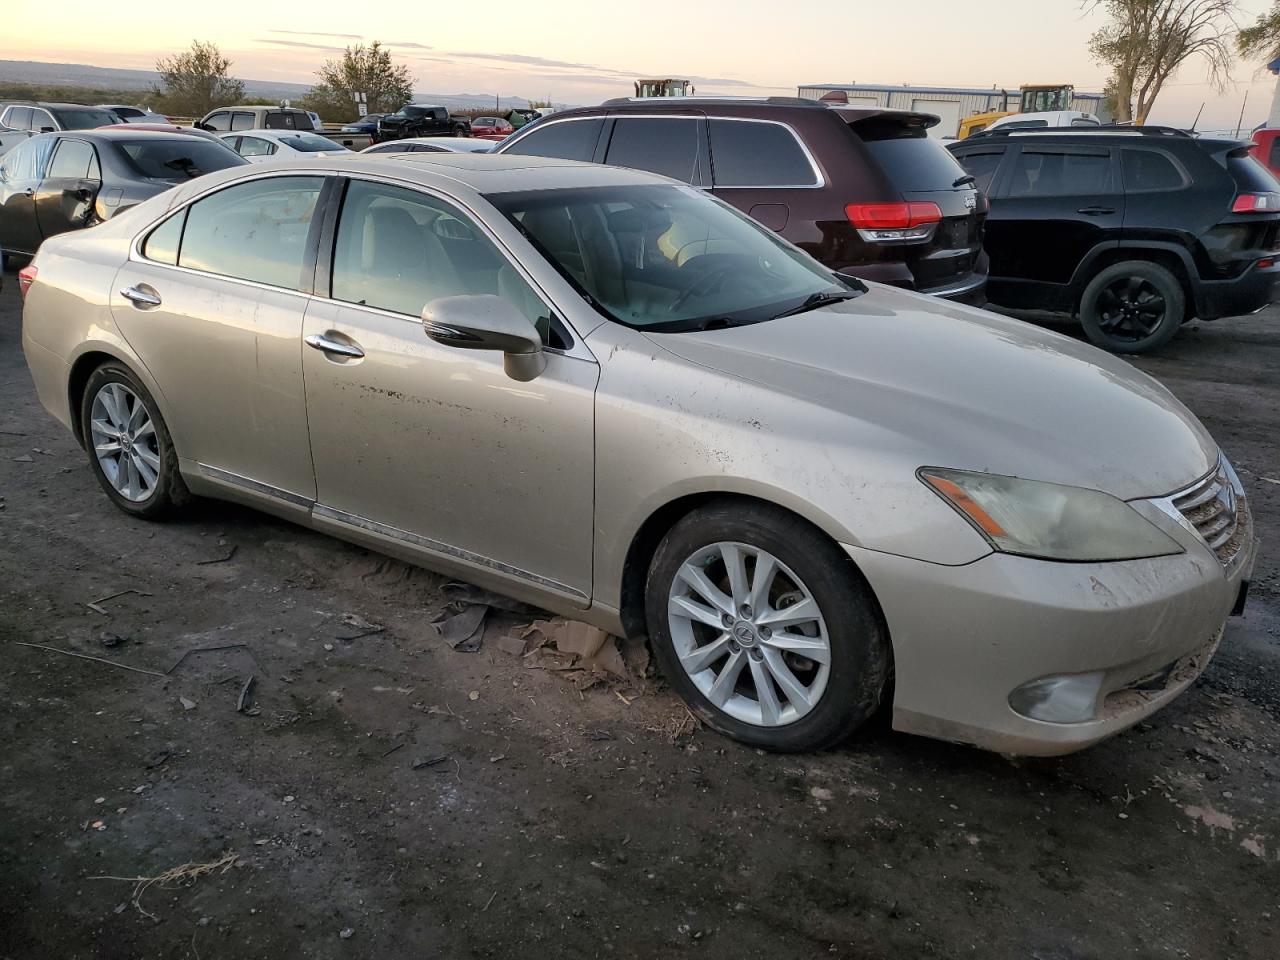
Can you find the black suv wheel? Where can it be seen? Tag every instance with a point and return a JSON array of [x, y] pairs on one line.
[[1132, 307]]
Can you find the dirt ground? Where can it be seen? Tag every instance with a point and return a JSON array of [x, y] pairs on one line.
[[563, 823]]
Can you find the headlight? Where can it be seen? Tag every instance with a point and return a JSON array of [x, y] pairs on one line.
[[1047, 520]]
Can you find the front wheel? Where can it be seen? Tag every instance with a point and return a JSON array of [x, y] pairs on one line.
[[1132, 307], [766, 628]]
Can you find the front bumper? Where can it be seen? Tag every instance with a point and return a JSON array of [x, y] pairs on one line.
[[966, 638]]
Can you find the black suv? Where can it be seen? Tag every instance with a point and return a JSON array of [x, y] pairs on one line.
[[865, 191], [421, 120], [1135, 229]]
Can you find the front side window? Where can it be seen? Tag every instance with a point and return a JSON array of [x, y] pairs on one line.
[[668, 258], [664, 145], [398, 250], [749, 153], [19, 118], [1055, 173], [72, 161], [982, 167], [562, 140], [253, 231], [1146, 170], [221, 121]]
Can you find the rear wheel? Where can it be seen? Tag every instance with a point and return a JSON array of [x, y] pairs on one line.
[[129, 446], [1132, 307], [766, 628]]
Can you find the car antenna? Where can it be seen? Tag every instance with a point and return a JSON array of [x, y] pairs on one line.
[[1197, 119]]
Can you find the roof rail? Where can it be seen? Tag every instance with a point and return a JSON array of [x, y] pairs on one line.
[[677, 101], [1086, 130]]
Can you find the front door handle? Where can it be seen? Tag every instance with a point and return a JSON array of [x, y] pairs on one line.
[[320, 342], [1096, 211], [140, 297]]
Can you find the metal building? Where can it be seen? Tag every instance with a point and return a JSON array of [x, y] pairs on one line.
[[950, 103]]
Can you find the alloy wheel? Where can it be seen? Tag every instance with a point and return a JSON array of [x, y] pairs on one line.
[[124, 441], [1130, 309], [749, 634]]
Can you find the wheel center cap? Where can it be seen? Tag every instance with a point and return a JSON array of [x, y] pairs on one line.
[[744, 633]]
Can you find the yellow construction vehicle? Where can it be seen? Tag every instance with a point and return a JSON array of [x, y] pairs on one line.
[[664, 87], [1036, 98]]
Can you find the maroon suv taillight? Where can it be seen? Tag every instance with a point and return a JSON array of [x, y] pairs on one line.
[[26, 277], [1256, 203], [885, 222]]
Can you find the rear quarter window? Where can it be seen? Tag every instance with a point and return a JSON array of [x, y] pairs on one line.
[[752, 153], [911, 159], [1150, 170]]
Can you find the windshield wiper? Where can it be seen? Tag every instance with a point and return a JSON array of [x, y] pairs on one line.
[[820, 299], [968, 178]]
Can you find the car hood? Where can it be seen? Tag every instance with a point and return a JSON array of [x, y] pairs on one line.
[[958, 387]]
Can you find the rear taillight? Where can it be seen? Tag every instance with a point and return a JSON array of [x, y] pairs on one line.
[[26, 277], [1256, 203], [884, 222]]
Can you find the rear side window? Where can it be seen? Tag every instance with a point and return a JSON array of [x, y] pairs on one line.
[[662, 145], [1146, 170], [242, 121], [25, 161], [255, 147], [72, 161], [982, 167], [565, 140], [253, 231], [912, 160], [750, 153], [1050, 173]]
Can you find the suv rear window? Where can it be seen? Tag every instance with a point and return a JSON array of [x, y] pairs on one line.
[[561, 140], [753, 153], [662, 145], [1250, 176], [906, 153]]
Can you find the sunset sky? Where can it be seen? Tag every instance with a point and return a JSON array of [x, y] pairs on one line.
[[581, 51]]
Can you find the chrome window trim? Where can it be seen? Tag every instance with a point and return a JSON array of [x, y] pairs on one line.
[[445, 550], [578, 349], [542, 125], [804, 148]]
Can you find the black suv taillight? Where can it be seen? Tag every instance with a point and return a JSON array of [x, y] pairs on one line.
[[1256, 203]]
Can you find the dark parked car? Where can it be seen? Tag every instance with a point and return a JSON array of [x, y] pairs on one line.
[[866, 191], [51, 117], [421, 120], [1136, 230], [64, 181], [368, 124]]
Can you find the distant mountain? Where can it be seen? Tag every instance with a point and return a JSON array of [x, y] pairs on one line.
[[83, 75]]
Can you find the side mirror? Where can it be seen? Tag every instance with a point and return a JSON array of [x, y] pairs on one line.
[[47, 130], [487, 322], [202, 126]]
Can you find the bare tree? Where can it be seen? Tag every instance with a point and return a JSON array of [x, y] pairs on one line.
[[196, 81], [1145, 42], [1262, 40], [368, 70]]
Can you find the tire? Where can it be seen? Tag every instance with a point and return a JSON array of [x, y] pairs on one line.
[[811, 575], [1132, 307], [166, 494]]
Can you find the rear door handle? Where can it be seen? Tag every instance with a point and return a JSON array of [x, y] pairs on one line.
[[140, 297], [320, 342], [1096, 211]]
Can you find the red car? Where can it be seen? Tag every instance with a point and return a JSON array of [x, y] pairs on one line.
[[491, 128], [1266, 149]]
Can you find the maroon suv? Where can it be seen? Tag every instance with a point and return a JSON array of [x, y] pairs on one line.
[[865, 191]]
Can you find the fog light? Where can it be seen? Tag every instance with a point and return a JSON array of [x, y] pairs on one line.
[[1069, 699]]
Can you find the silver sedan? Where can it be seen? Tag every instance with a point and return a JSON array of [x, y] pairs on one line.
[[615, 397]]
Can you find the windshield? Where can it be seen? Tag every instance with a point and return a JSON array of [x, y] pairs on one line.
[[177, 158], [84, 118], [309, 143], [668, 258]]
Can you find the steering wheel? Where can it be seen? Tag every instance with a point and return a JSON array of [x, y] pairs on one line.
[[709, 282]]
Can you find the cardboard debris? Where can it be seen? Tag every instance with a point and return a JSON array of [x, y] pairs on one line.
[[577, 645], [462, 629]]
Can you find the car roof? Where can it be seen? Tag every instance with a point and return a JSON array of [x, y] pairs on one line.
[[762, 107], [493, 173], [123, 131]]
